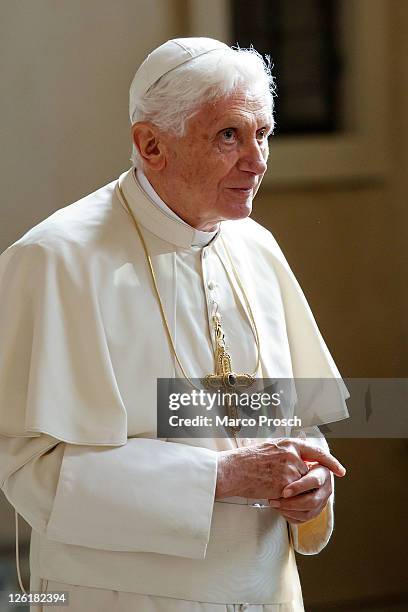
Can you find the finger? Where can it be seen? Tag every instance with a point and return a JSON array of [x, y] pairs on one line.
[[315, 453], [293, 521], [295, 459], [301, 503], [296, 517], [302, 468], [314, 479]]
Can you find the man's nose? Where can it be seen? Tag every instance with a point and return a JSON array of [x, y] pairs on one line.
[[252, 158]]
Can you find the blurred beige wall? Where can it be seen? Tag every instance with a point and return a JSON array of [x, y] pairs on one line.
[[66, 68], [348, 245], [65, 71]]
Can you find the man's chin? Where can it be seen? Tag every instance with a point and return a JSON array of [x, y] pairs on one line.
[[229, 212], [239, 211]]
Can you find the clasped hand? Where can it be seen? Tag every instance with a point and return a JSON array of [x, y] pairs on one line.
[[293, 474], [305, 498]]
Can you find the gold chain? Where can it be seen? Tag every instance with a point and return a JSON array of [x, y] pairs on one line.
[[248, 305], [163, 314]]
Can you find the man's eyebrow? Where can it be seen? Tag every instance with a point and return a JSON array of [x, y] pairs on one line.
[[230, 120]]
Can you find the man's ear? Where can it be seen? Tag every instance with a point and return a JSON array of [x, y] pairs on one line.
[[147, 140]]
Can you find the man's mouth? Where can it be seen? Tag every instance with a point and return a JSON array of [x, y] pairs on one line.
[[242, 189]]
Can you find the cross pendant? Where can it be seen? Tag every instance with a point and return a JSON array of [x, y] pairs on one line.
[[225, 379]]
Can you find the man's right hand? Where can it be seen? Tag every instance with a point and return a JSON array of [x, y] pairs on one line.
[[263, 470]]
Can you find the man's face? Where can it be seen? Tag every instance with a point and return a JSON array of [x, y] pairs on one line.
[[213, 172]]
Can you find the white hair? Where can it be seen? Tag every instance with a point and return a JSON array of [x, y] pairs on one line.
[[176, 97]]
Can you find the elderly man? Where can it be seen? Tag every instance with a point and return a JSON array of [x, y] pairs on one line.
[[161, 274]]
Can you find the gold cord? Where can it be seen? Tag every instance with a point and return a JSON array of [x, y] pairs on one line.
[[20, 582], [248, 305], [163, 314]]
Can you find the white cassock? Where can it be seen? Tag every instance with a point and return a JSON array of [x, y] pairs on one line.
[[122, 520]]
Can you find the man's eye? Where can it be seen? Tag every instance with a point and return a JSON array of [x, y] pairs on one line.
[[228, 134], [262, 134]]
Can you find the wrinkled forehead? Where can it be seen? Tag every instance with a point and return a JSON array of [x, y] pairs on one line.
[[253, 105]]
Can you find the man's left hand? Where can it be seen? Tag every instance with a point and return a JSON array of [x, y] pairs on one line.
[[305, 498]]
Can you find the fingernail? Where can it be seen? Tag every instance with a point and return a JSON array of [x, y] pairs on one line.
[[287, 493]]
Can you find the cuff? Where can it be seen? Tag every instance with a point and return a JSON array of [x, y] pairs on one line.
[[311, 537], [145, 496]]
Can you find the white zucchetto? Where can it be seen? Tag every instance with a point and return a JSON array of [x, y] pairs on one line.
[[165, 58]]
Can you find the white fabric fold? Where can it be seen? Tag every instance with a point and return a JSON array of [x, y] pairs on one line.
[[148, 495]]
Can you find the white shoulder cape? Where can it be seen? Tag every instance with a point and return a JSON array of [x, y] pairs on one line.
[[58, 281]]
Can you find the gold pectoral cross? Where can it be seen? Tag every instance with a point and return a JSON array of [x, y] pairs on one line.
[[225, 379]]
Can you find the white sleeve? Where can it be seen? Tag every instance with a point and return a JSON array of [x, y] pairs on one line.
[[311, 537], [148, 495]]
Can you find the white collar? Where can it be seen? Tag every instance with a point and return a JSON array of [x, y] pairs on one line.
[[200, 238], [155, 219]]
